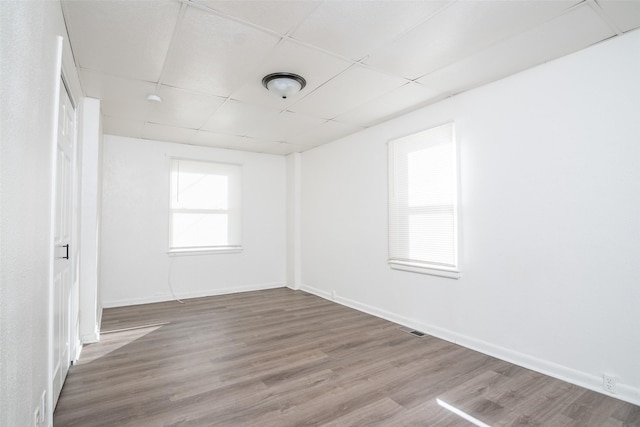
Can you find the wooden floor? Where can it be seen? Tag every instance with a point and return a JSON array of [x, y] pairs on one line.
[[287, 358]]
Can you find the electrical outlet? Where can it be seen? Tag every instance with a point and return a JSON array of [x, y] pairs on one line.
[[609, 383], [333, 295]]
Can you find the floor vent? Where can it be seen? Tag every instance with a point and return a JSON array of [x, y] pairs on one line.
[[412, 331]]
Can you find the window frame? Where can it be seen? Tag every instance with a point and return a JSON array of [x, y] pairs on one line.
[[422, 266], [202, 250]]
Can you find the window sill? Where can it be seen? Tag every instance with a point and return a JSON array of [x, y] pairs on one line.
[[432, 271], [204, 251]]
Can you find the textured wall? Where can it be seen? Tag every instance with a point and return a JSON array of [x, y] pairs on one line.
[[549, 166], [135, 218], [90, 211], [28, 51]]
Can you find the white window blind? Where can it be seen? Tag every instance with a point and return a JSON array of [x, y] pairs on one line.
[[423, 232], [205, 206]]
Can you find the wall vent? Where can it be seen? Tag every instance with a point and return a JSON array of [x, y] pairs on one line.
[[412, 331]]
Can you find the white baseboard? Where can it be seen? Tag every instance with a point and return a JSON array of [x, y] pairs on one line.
[[592, 382], [187, 295], [91, 338], [78, 351], [99, 321], [320, 293]]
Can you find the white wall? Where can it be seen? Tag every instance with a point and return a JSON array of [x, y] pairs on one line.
[[28, 37], [293, 220], [135, 266], [550, 181], [91, 187]]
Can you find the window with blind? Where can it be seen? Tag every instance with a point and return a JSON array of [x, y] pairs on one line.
[[423, 224], [205, 207]]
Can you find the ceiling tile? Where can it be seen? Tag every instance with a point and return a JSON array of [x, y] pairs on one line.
[[314, 65], [260, 146], [575, 30], [355, 28], [284, 148], [328, 131], [348, 90], [238, 118], [119, 97], [214, 139], [122, 126], [401, 100], [211, 139], [159, 132], [123, 38], [624, 13], [458, 31], [278, 16], [183, 108], [284, 125], [214, 55]]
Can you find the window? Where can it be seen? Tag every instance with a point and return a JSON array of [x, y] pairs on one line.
[[423, 224], [205, 206]]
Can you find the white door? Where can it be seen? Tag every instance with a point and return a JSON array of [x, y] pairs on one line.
[[62, 271]]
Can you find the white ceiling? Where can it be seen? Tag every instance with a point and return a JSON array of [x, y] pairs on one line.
[[365, 61]]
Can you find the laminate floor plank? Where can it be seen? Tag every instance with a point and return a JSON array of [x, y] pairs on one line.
[[287, 358]]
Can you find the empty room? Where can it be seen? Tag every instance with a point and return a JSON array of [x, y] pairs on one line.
[[320, 212]]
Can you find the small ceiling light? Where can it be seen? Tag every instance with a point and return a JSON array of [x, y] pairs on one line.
[[152, 97], [284, 84]]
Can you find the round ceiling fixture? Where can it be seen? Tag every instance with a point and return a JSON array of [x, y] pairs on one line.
[[284, 84]]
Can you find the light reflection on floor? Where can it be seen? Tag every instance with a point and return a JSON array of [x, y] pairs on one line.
[[461, 413], [125, 336]]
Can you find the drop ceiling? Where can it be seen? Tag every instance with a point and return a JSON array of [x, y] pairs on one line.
[[365, 61]]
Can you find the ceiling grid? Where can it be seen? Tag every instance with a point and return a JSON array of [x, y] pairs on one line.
[[364, 61]]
